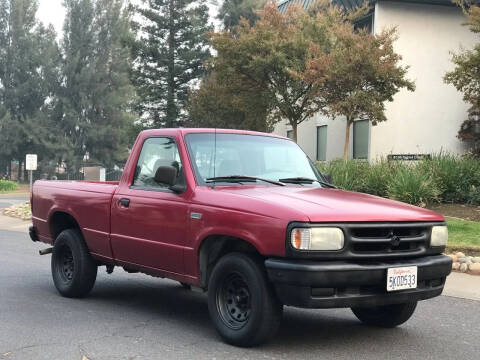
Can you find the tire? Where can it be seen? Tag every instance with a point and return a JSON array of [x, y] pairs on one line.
[[241, 301], [73, 270], [387, 316]]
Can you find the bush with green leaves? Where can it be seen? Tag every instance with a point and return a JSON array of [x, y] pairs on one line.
[[6, 185], [412, 186], [443, 177]]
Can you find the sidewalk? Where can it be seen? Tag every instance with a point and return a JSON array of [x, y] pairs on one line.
[[462, 286], [12, 224]]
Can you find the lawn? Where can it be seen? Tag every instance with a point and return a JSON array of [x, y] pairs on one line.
[[463, 234]]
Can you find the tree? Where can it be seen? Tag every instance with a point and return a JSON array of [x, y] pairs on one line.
[[358, 75], [218, 106], [169, 56], [29, 77], [232, 11], [97, 95], [306, 62], [265, 59], [466, 79]]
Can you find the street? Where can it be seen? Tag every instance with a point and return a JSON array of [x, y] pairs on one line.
[[134, 316]]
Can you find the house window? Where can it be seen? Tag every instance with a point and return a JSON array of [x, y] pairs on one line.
[[322, 143], [360, 139], [365, 23], [290, 134]]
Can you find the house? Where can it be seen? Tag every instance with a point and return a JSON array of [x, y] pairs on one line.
[[418, 123]]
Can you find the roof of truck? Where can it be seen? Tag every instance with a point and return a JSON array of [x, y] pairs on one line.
[[184, 131]]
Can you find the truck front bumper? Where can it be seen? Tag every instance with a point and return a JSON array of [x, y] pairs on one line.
[[335, 284]]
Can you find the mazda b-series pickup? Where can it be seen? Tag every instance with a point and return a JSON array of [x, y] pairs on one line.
[[247, 217]]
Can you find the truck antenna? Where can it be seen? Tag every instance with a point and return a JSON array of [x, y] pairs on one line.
[[214, 156]]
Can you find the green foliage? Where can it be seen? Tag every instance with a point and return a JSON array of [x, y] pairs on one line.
[[96, 93], [462, 233], [169, 55], [444, 177], [304, 62], [456, 177], [6, 185], [465, 77], [412, 186], [232, 11], [29, 76], [215, 105]]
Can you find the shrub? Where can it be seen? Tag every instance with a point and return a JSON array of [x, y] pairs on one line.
[[348, 175], [455, 176], [414, 187], [6, 185], [473, 196]]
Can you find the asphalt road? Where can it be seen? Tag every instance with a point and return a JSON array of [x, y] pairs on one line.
[[133, 316]]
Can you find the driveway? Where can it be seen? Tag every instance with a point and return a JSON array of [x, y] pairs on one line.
[[134, 316]]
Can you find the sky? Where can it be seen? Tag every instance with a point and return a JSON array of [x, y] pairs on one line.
[[52, 12]]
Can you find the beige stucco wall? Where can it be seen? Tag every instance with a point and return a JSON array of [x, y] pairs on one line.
[[428, 119], [423, 121]]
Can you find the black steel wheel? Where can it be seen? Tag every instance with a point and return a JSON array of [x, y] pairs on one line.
[[73, 269], [66, 263], [242, 303], [233, 301]]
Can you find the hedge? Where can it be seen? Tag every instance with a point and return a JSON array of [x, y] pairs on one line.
[[442, 178]]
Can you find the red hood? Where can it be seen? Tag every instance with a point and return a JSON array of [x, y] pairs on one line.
[[333, 205]]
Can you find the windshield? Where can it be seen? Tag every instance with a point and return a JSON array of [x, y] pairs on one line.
[[248, 155]]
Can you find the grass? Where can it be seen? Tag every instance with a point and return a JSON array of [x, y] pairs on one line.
[[8, 186], [463, 235]]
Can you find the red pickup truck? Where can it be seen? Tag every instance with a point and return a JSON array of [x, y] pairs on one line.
[[248, 217]]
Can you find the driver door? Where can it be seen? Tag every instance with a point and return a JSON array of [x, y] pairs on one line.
[[149, 221]]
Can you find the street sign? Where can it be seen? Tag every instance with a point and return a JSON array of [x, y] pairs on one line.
[[31, 162]]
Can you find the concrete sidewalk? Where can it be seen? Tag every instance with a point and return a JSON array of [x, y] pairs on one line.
[[13, 224], [462, 286]]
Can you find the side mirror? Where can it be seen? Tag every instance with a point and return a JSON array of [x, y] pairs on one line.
[[328, 178], [166, 175]]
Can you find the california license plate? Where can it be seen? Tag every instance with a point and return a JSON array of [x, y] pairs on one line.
[[401, 278]]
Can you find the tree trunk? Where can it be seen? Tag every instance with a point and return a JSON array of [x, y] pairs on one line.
[[347, 140], [171, 107], [294, 130]]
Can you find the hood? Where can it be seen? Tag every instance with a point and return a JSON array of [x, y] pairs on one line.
[[334, 205]]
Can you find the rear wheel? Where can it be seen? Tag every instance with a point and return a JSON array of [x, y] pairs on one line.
[[241, 301], [73, 269], [387, 316]]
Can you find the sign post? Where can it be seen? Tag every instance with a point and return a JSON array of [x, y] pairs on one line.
[[31, 165]]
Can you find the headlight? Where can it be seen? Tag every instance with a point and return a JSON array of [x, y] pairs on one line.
[[321, 238], [439, 236]]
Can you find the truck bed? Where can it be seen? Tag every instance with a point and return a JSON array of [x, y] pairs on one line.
[[88, 202]]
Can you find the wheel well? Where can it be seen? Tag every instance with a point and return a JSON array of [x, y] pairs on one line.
[[61, 221], [214, 247]]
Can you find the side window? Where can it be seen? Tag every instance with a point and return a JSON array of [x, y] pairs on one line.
[[157, 152], [360, 139]]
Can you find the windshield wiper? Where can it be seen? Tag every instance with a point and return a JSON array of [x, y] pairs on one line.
[[241, 178], [304, 180]]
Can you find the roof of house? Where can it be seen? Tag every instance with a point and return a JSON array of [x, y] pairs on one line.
[[283, 5]]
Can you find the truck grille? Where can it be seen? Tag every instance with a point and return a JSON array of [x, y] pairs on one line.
[[388, 239]]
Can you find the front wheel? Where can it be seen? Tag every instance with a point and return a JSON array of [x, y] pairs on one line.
[[73, 270], [241, 301], [387, 316]]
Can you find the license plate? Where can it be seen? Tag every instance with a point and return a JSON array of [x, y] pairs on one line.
[[401, 278]]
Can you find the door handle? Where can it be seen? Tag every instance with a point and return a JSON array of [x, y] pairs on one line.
[[124, 202]]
